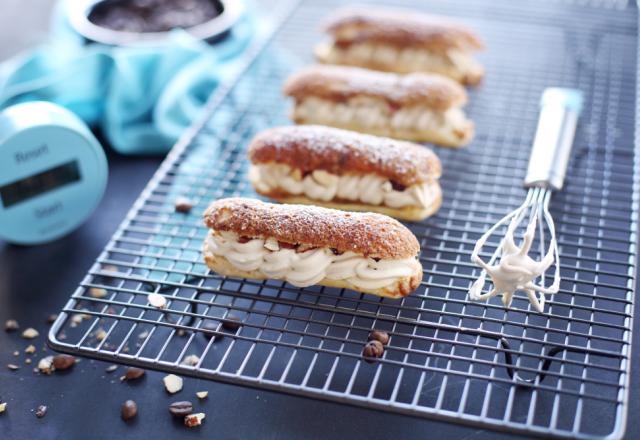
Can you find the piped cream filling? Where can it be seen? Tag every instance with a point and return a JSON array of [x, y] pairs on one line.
[[370, 189], [373, 113], [409, 59], [307, 268]]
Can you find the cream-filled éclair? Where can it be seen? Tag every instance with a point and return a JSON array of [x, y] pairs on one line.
[[308, 245], [346, 170], [401, 41], [418, 106]]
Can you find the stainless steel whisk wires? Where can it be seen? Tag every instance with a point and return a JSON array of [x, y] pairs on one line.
[[510, 267]]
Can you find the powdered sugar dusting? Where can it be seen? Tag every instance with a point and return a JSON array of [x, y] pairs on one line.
[[340, 152]]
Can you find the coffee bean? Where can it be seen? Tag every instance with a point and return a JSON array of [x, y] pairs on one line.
[[181, 409], [379, 335], [372, 349], [63, 361], [11, 325], [129, 410], [41, 411], [232, 323], [183, 205], [133, 373]]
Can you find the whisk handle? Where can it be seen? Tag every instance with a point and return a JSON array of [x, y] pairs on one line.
[[559, 111]]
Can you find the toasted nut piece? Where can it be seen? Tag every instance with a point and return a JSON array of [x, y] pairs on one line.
[[30, 349], [45, 365], [111, 368], [13, 367], [202, 394], [30, 333], [3, 407], [11, 325], [193, 420], [157, 300], [192, 360], [97, 292], [172, 383], [41, 411]]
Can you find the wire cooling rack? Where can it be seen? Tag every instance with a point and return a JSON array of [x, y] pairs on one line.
[[562, 373]]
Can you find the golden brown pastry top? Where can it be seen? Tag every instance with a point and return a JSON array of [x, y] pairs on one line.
[[368, 234], [340, 83], [315, 147], [400, 28]]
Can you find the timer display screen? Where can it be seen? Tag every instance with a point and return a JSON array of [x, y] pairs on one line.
[[36, 184]]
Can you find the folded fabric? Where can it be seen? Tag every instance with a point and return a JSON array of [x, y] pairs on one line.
[[141, 98]]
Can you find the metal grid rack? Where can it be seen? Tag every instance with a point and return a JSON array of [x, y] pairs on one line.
[[563, 373]]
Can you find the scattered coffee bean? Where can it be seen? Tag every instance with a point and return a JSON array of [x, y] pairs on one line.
[[11, 325], [379, 335], [52, 318], [172, 383], [183, 205], [372, 349], [231, 323], [41, 411], [3, 407], [193, 420], [156, 300], [111, 368], [63, 361], [13, 367], [202, 394], [134, 373], [129, 410], [30, 349], [181, 409], [30, 333]]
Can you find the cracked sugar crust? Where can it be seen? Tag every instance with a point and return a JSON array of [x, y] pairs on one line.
[[337, 151], [368, 234], [401, 28], [341, 83]]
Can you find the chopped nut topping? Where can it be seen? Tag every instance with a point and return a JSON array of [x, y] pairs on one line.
[[30, 333], [192, 360], [30, 349], [172, 383], [45, 365], [156, 300], [3, 407], [193, 420], [97, 292], [11, 325], [202, 394], [13, 367]]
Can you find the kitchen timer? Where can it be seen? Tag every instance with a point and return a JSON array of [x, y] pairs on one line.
[[53, 172]]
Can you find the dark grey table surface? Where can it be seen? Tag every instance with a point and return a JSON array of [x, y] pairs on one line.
[[85, 402]]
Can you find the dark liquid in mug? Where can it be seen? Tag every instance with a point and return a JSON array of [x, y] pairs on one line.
[[153, 15]]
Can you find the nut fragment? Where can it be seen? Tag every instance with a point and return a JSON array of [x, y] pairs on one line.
[[202, 394], [372, 349], [133, 373], [97, 292], [184, 205], [41, 411], [63, 361], [172, 383], [45, 365], [30, 349], [16, 353], [129, 410], [101, 335], [30, 333], [231, 323], [192, 360], [3, 407], [379, 335], [181, 409], [157, 300], [11, 325], [13, 367], [193, 420], [111, 368]]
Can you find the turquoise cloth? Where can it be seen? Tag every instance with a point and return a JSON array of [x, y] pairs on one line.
[[141, 98]]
